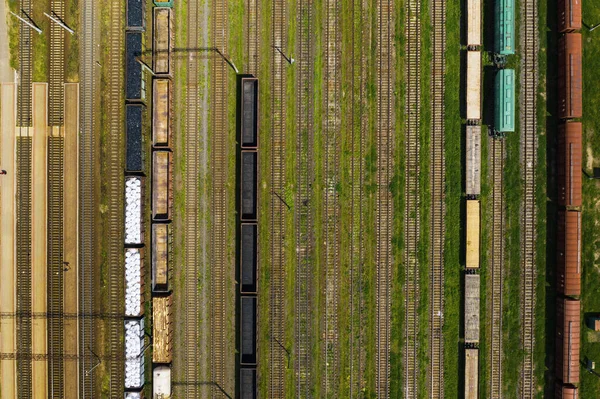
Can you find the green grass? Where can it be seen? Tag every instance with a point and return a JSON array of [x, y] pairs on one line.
[[590, 349]]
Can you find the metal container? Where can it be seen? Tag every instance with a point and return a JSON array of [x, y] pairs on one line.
[[568, 257], [568, 340], [570, 101], [569, 171]]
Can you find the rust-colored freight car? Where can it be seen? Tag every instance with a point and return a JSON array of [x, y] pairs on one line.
[[569, 15], [569, 164], [569, 76], [568, 258], [160, 257], [162, 185], [568, 326], [565, 392], [161, 113], [163, 40]]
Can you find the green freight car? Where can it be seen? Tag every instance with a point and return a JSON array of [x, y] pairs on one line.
[[164, 3], [504, 114], [505, 27]]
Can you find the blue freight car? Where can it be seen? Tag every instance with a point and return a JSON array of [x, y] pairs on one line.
[[505, 101], [505, 27]]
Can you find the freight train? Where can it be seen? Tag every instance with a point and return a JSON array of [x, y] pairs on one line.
[[248, 260], [569, 178]]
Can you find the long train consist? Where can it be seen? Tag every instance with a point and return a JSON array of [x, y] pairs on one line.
[[569, 178], [248, 260]]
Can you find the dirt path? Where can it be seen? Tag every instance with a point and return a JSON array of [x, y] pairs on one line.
[[71, 234], [38, 234], [6, 72], [7, 238]]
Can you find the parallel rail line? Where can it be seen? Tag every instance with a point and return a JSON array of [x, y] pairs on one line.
[[24, 94], [115, 195], [412, 213], [57, 66], [190, 351], [55, 266], [253, 35], [497, 264], [331, 128], [438, 207], [86, 198], [528, 102], [24, 305], [219, 157], [304, 198], [277, 351]]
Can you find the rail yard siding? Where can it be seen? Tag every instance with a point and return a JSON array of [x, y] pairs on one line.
[[134, 90], [248, 330], [163, 41], [474, 85], [160, 257], [568, 257], [472, 285], [570, 76], [162, 329], [505, 27], [567, 340], [473, 161], [569, 15], [471, 373], [249, 185], [249, 113], [248, 258], [248, 383], [136, 14], [473, 227], [569, 170], [134, 154], [473, 22], [162, 185], [162, 107], [505, 101]]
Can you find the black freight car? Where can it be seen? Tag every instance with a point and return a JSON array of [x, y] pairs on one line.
[[248, 111], [248, 258], [134, 158], [248, 332], [249, 185], [248, 383], [134, 85], [136, 15]]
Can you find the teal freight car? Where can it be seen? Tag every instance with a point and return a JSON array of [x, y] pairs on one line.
[[164, 3], [505, 27], [505, 101]]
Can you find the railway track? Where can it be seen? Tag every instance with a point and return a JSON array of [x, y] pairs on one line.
[[438, 207], [115, 192], [86, 197], [277, 350], [304, 198], [190, 268], [412, 213], [55, 281], [25, 70], [497, 265], [219, 157], [24, 342], [358, 129], [331, 96], [253, 36], [528, 122], [57, 66]]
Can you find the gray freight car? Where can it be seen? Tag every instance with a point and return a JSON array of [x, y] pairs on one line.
[[248, 258], [473, 172], [248, 111], [472, 284], [248, 386]]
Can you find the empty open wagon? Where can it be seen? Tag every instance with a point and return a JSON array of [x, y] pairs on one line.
[[474, 85], [162, 185], [248, 258], [248, 330], [474, 22], [472, 285], [160, 257], [248, 111], [161, 113], [163, 41], [568, 332], [471, 373], [162, 329], [249, 176], [570, 100], [568, 257], [472, 247], [569, 172], [473, 160], [248, 383]]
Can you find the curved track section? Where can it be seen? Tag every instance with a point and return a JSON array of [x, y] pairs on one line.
[[277, 352], [438, 198], [528, 122], [412, 213], [496, 265]]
